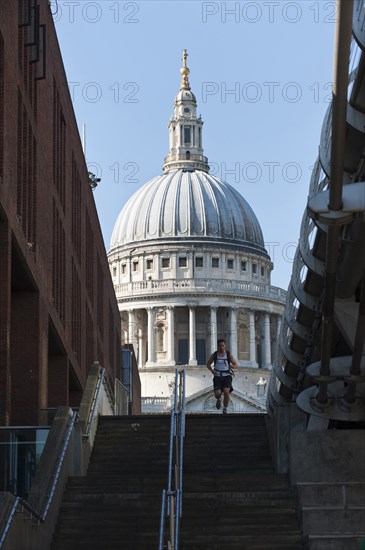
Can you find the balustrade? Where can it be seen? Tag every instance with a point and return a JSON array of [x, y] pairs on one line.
[[170, 286]]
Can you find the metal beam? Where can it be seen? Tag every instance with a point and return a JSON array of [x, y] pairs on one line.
[[339, 109]]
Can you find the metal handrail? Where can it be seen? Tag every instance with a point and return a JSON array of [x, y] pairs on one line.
[[59, 465], [9, 520], [173, 496], [94, 403], [39, 516]]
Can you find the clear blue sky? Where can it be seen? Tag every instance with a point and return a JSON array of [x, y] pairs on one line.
[[261, 72]]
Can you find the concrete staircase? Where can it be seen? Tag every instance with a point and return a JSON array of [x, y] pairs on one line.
[[232, 498]]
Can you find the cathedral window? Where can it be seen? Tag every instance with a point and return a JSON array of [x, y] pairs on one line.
[[114, 271], [149, 263], [262, 271], [165, 262], [230, 263], [199, 261], [182, 261], [215, 262], [135, 265], [243, 266], [254, 269], [124, 269], [187, 135]]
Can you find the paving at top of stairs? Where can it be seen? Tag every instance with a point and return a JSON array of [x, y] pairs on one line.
[[232, 499]]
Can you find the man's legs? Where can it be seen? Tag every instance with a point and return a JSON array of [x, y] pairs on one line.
[[225, 399], [218, 395]]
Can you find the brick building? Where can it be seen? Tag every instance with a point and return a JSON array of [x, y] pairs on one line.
[[58, 310]]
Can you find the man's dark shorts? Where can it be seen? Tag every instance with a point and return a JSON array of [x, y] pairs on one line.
[[221, 382]]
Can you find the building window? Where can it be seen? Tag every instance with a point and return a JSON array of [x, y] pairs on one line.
[[135, 265], [243, 266], [149, 263], [187, 135], [199, 261], [254, 269], [114, 271], [230, 264], [182, 261], [262, 271], [124, 269], [215, 262], [165, 262]]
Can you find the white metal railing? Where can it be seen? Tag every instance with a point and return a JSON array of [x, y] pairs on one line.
[[171, 505]]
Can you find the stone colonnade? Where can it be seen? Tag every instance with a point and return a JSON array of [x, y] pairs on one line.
[[155, 342]]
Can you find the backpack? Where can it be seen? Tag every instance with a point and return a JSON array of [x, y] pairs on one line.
[[231, 372]]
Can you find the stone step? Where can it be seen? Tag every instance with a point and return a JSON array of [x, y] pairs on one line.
[[247, 542]]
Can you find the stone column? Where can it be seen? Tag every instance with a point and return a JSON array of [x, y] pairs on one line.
[[252, 338], [132, 329], [213, 328], [140, 348], [171, 335], [192, 341], [267, 340], [233, 342], [278, 330], [151, 335]]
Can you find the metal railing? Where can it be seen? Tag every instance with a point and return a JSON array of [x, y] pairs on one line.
[[94, 403], [20, 450], [171, 505], [39, 516]]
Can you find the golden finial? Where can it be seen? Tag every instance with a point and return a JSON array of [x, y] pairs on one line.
[[184, 73]]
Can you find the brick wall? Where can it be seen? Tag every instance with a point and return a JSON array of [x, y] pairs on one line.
[[53, 264]]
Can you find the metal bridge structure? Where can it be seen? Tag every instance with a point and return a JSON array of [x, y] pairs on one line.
[[321, 364]]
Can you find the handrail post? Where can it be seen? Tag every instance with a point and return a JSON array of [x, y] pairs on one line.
[[174, 495], [162, 519], [172, 521]]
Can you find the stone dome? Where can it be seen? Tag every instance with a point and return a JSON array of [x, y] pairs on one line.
[[187, 205], [185, 95]]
